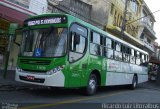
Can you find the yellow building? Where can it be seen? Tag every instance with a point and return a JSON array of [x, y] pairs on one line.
[[115, 19]]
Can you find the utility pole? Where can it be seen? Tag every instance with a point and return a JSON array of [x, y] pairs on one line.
[[12, 29], [123, 27]]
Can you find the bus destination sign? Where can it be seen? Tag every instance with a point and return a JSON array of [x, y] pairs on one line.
[[47, 20]]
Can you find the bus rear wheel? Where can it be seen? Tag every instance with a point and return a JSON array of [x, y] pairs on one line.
[[92, 85]]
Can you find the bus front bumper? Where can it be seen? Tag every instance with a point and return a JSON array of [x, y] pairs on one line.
[[55, 80]]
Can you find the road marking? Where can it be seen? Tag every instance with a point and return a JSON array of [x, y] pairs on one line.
[[69, 101]]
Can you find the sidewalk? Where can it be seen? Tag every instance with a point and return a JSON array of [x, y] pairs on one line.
[[9, 78], [9, 84]]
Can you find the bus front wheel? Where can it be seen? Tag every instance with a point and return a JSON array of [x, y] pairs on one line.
[[92, 85]]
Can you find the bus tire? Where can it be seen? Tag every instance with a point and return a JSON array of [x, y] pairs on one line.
[[134, 82], [92, 85]]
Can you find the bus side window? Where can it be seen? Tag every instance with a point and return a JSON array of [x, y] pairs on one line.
[[118, 53], [132, 57], [95, 45], [147, 58], [126, 53], [138, 58], [108, 51], [141, 60], [78, 42]]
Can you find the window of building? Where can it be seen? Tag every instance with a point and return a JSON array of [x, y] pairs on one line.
[[142, 36], [115, 18], [148, 40], [134, 6], [112, 9]]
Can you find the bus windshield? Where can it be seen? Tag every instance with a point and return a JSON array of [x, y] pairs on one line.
[[48, 42]]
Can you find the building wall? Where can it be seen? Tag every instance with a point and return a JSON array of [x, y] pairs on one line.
[[38, 6], [23, 3], [147, 34], [99, 12], [116, 16], [91, 11]]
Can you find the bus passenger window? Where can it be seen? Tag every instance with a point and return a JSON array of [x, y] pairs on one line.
[[147, 58], [113, 45], [95, 49], [110, 53], [117, 53], [138, 58], [95, 45], [126, 56], [108, 43], [95, 38], [117, 46], [78, 42]]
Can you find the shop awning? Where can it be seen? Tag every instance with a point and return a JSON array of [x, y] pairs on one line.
[[13, 12]]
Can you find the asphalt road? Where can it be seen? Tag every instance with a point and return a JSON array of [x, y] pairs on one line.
[[45, 98]]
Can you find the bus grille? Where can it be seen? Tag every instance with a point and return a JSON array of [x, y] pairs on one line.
[[35, 62]]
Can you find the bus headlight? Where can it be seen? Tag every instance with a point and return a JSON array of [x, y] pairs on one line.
[[18, 69], [55, 70]]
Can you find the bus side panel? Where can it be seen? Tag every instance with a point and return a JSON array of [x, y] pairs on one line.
[[142, 78], [114, 78], [119, 73], [95, 64]]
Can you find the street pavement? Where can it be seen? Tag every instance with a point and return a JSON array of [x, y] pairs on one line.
[[28, 96]]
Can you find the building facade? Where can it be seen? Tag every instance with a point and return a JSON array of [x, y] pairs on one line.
[[116, 16], [105, 14], [147, 33]]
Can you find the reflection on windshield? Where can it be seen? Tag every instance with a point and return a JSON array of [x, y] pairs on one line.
[[49, 42]]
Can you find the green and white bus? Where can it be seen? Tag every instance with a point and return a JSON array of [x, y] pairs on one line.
[[60, 50]]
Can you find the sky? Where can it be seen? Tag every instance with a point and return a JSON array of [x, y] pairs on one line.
[[154, 5]]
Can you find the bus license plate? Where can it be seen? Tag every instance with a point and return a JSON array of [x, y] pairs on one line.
[[30, 77]]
